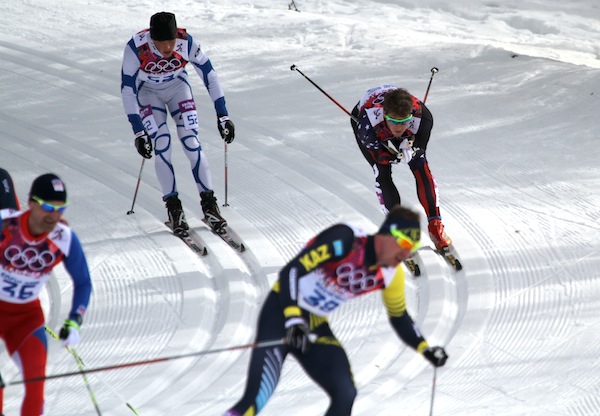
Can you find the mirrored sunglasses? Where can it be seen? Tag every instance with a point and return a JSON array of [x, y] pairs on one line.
[[405, 120], [48, 207], [405, 241]]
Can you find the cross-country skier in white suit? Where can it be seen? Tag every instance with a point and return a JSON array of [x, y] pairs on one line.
[[154, 80]]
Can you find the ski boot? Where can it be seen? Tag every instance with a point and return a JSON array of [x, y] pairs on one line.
[[176, 215], [438, 235], [212, 215]]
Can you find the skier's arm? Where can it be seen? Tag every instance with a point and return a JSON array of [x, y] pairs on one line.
[[370, 141], [205, 70], [401, 321], [129, 73], [77, 267]]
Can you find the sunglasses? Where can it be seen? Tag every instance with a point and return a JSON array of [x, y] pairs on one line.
[[397, 121], [48, 207], [405, 241]]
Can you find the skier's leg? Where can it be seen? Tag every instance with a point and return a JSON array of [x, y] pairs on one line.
[[265, 363], [427, 189], [327, 364], [30, 357], [387, 193]]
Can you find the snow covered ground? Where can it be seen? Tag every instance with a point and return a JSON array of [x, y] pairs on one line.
[[514, 151]]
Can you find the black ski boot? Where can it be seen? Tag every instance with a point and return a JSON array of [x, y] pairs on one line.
[[176, 215], [212, 215]]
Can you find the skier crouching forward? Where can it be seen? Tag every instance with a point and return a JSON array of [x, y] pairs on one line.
[[339, 264], [388, 114], [154, 81]]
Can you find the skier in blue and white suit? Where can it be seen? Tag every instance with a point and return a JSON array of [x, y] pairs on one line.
[[154, 78]]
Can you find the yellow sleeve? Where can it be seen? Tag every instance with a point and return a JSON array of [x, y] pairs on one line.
[[393, 295], [395, 304]]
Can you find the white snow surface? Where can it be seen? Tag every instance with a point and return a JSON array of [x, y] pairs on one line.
[[514, 151]]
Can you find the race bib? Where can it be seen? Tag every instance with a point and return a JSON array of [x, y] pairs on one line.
[[148, 120], [189, 116]]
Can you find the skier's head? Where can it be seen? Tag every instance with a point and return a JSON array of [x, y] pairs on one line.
[[398, 237], [398, 110], [163, 26], [47, 202], [48, 187]]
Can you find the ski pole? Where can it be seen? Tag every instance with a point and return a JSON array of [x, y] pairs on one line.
[[390, 148], [433, 71], [263, 344], [136, 187], [81, 366], [433, 391], [295, 68], [226, 178]]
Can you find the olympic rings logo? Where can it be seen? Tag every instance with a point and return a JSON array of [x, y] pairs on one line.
[[163, 66], [29, 258], [356, 281]]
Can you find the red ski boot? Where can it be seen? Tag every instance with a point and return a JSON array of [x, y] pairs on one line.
[[438, 235]]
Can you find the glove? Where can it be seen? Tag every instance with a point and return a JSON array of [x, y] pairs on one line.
[[385, 157], [69, 333], [405, 152], [143, 144], [226, 128], [297, 334], [435, 355], [405, 156]]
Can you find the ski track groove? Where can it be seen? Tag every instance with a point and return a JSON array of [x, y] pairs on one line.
[[76, 150], [510, 299]]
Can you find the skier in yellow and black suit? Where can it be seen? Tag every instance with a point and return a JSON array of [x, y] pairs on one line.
[[339, 264]]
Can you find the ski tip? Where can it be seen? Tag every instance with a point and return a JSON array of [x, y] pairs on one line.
[[242, 248], [204, 252]]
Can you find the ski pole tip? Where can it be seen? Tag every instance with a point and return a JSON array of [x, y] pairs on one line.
[[434, 70], [293, 67]]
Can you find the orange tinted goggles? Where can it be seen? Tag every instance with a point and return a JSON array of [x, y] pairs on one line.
[[405, 241]]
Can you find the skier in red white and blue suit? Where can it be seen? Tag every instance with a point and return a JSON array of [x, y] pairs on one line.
[[391, 115], [338, 265], [32, 243]]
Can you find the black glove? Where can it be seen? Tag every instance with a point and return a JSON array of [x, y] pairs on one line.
[[297, 334], [226, 128], [143, 144], [69, 333], [435, 355]]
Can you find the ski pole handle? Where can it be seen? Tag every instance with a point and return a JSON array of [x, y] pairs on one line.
[[434, 70]]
